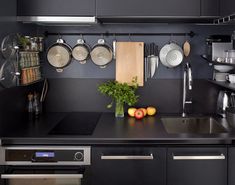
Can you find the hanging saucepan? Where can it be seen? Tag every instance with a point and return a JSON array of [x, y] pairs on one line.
[[101, 54], [81, 51], [59, 55]]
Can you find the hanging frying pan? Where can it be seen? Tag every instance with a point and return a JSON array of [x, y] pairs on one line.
[[81, 51], [101, 54], [59, 55]]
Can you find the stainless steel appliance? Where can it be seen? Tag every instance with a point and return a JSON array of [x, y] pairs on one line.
[[222, 102], [46, 165]]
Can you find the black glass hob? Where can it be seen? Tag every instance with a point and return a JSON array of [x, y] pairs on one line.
[[77, 123]]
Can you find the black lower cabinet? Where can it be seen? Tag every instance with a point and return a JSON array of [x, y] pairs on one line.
[[197, 166], [231, 166], [128, 166]]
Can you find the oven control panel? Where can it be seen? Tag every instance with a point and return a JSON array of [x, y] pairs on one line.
[[50, 155]]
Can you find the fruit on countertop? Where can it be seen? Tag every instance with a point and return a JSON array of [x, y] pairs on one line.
[[139, 114], [151, 111], [144, 110], [131, 111]]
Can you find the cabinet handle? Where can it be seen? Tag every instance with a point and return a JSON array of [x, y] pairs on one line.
[[127, 157], [201, 157]]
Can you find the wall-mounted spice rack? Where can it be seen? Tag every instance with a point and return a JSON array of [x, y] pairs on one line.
[[30, 67]]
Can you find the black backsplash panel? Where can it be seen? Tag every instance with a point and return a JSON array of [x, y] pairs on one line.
[[71, 95]]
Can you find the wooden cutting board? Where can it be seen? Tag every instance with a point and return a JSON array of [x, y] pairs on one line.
[[130, 62]]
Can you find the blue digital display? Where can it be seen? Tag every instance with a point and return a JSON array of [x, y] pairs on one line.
[[45, 154]]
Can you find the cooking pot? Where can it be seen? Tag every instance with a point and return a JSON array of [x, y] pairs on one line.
[[59, 55], [81, 51], [101, 54]]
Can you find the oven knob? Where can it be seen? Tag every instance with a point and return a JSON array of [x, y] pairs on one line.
[[78, 156]]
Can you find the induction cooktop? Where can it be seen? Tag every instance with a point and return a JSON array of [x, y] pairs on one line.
[[77, 123]]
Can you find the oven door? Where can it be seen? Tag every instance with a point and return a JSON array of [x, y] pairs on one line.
[[26, 175]]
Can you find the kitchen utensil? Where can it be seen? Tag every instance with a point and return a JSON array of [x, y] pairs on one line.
[[8, 74], [222, 102], [153, 59], [231, 78], [81, 51], [174, 58], [44, 91], [230, 116], [186, 48], [220, 77], [114, 48], [223, 68], [8, 46], [59, 55], [146, 62], [130, 62], [153, 65], [101, 54], [163, 53]]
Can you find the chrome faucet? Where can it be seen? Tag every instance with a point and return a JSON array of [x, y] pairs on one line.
[[187, 86]]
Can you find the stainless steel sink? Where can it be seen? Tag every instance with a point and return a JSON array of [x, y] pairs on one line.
[[192, 125]]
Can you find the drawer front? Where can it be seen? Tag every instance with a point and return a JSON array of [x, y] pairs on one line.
[[125, 165], [196, 166]]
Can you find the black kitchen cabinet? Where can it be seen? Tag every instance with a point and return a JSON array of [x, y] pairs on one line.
[[231, 166], [106, 8], [196, 166], [210, 8], [128, 165], [227, 7], [56, 7]]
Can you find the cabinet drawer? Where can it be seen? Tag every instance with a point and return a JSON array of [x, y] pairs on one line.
[[128, 165], [197, 166]]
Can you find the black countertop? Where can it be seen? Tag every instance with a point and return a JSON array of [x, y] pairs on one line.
[[18, 128]]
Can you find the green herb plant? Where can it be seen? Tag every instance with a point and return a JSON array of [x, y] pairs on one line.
[[122, 92]]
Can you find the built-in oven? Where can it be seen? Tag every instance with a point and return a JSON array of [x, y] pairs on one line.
[[50, 165]]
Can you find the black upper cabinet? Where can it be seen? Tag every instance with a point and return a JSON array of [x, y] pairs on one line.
[[227, 7], [210, 8], [56, 7], [106, 8], [197, 166]]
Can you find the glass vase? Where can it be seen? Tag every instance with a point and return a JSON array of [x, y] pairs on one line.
[[119, 109]]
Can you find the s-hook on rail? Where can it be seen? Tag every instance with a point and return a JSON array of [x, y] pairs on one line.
[[190, 34]]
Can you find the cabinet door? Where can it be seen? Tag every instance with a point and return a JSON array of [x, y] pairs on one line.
[[227, 7], [210, 7], [231, 166], [56, 7], [148, 8], [197, 166], [128, 165]]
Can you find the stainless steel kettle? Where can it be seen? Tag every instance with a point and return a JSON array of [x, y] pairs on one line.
[[223, 102]]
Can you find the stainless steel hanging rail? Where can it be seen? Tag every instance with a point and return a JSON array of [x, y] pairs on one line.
[[190, 34]]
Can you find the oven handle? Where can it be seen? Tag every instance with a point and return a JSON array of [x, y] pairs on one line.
[[41, 176]]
